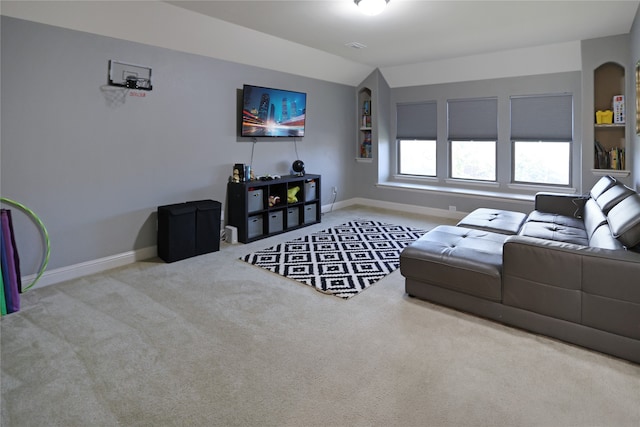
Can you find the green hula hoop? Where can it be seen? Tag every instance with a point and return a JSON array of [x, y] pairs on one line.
[[45, 235]]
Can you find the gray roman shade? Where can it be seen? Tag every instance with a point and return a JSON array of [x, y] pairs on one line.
[[473, 119], [542, 118], [417, 121]]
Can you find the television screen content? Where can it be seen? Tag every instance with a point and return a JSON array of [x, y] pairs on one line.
[[272, 112]]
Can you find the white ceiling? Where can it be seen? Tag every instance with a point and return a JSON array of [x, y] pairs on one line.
[[414, 31]]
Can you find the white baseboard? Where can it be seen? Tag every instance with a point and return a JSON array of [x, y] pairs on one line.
[[422, 210], [50, 277]]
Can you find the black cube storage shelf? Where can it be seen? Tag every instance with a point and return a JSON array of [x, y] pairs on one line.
[[188, 229], [248, 206]]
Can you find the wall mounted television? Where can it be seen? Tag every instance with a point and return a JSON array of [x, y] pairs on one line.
[[269, 112]]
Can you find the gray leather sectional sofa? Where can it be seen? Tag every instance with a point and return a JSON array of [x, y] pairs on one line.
[[570, 269]]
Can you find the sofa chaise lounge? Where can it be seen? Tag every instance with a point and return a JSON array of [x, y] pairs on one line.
[[570, 269]]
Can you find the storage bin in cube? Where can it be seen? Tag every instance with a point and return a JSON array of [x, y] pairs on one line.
[[255, 202], [293, 217], [275, 222], [310, 213], [255, 226], [309, 191], [618, 109]]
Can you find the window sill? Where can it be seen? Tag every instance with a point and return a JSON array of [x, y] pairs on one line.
[[545, 188], [489, 190]]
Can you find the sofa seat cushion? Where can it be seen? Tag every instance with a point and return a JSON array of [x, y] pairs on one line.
[[556, 230], [457, 258], [495, 220], [563, 220]]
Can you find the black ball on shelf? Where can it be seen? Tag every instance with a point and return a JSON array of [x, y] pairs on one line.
[[298, 167]]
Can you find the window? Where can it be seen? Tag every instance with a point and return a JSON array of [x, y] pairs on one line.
[[473, 132], [541, 162], [474, 160], [416, 138], [542, 134], [417, 157]]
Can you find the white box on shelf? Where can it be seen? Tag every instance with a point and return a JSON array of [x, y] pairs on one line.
[[618, 109]]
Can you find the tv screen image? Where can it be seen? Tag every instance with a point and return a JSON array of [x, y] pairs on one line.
[[272, 112]]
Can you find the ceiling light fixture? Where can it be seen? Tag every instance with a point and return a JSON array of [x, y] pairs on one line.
[[371, 7]]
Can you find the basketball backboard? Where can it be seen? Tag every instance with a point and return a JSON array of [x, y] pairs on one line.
[[129, 75]]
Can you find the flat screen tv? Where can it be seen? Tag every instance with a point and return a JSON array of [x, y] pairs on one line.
[[272, 112]]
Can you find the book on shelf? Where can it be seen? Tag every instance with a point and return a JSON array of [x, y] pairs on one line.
[[367, 137], [366, 121], [614, 158]]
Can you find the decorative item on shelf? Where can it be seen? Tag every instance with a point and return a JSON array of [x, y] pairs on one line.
[[604, 117], [618, 109], [240, 169], [273, 200], [366, 108], [298, 168], [292, 194]]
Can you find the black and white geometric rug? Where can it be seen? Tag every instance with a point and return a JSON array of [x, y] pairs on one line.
[[342, 260]]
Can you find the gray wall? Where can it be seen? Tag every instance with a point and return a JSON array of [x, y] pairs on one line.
[[95, 170]]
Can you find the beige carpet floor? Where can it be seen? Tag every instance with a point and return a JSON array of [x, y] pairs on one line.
[[213, 341]]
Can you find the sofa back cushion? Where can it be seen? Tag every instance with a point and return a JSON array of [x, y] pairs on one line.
[[593, 217], [601, 186], [612, 196], [624, 220], [602, 238]]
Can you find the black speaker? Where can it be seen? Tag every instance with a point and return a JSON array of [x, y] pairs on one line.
[[298, 167]]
